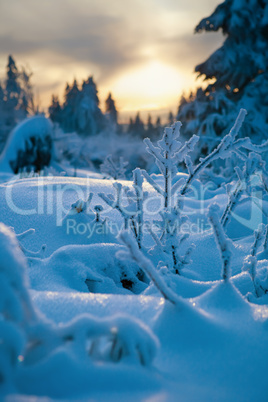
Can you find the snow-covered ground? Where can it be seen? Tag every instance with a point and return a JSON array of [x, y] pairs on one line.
[[93, 308], [213, 348]]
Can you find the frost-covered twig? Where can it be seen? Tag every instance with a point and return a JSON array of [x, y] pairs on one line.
[[133, 212], [168, 154], [36, 254], [221, 151], [252, 165], [222, 241], [29, 253], [138, 199], [116, 202], [113, 170], [26, 233], [250, 262], [172, 240], [247, 144], [133, 253], [81, 205], [98, 209]]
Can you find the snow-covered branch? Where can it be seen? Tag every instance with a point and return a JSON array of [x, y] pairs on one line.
[[253, 164], [133, 253], [168, 154], [222, 241], [250, 262], [221, 151], [114, 170]]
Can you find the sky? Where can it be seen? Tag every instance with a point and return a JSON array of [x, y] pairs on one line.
[[143, 51]]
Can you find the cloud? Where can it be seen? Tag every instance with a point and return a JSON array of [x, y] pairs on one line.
[[187, 51], [84, 36], [102, 37]]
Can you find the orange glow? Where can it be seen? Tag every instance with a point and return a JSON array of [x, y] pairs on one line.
[[154, 85]]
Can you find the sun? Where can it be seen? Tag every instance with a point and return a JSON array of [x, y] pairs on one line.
[[153, 85]]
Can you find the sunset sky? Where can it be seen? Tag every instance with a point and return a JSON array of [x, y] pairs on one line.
[[143, 51]]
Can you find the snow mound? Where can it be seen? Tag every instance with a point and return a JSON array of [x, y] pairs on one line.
[[33, 136], [92, 267]]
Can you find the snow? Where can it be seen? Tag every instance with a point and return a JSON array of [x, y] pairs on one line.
[[91, 308], [209, 349], [150, 287], [37, 126]]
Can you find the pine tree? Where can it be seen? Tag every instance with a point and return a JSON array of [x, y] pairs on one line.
[[136, 126], [28, 101], [13, 88], [13, 93], [158, 126], [170, 118], [70, 106], [237, 73], [110, 109], [16, 97], [2, 114], [150, 130], [54, 110], [90, 120], [130, 128]]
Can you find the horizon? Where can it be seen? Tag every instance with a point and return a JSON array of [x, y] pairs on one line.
[[145, 63]]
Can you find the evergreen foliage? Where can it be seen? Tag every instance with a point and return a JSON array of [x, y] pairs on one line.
[[236, 74], [80, 111], [16, 98]]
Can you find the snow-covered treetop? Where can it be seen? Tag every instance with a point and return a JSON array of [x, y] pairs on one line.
[[233, 15], [244, 52]]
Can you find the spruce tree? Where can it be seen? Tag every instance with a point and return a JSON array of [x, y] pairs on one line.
[[150, 130], [2, 114], [236, 74], [70, 106], [130, 128], [138, 126], [110, 109], [170, 118], [16, 97], [158, 126], [12, 92], [90, 120], [54, 110]]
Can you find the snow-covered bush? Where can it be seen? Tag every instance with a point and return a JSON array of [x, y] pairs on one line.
[[29, 145], [110, 169], [168, 154]]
